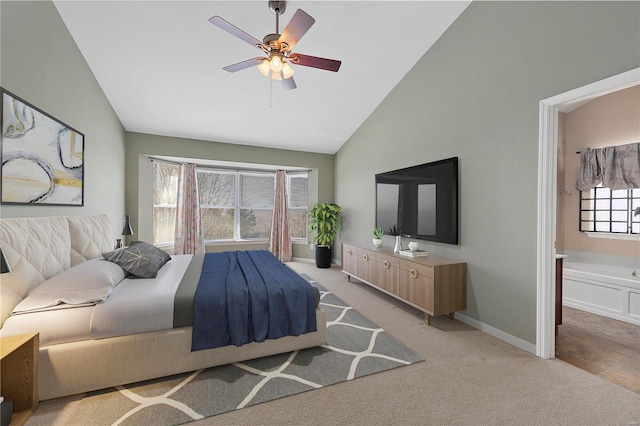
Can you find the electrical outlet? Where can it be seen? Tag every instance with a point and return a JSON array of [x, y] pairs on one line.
[[310, 246]]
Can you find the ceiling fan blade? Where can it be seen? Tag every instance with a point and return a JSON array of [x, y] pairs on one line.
[[233, 30], [297, 27], [315, 62], [244, 64], [288, 83]]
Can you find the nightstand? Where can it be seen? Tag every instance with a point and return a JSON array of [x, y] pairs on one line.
[[19, 371]]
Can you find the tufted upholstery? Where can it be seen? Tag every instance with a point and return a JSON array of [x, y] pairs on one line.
[[40, 247], [90, 237]]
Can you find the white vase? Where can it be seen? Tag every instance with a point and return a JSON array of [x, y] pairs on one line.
[[398, 246], [377, 242]]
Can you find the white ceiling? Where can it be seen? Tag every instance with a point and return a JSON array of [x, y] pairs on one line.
[[160, 65]]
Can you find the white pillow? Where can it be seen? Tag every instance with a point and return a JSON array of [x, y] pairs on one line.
[[85, 284]]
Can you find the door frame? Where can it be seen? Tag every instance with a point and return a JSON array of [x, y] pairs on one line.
[[547, 187]]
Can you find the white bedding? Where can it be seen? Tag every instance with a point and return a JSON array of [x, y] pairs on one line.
[[85, 284], [54, 326], [140, 305], [135, 305]]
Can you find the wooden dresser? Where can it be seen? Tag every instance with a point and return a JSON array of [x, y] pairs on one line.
[[434, 285]]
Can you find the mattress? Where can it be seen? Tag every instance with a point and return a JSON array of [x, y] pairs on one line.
[[135, 305], [54, 326], [140, 305]]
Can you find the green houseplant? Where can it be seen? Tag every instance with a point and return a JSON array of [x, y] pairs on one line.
[[378, 233], [324, 222]]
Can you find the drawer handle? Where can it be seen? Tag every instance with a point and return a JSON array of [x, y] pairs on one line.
[[385, 264], [365, 257], [349, 252], [413, 273]]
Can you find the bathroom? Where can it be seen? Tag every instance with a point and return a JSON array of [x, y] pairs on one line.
[[601, 270]]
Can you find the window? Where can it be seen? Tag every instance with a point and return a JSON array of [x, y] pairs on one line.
[[217, 191], [256, 204], [165, 189], [610, 211], [234, 205], [298, 191]]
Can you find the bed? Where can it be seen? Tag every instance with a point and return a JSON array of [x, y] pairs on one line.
[[136, 328]]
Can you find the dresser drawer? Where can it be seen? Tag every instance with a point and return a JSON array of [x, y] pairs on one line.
[[416, 284], [420, 270], [350, 259], [366, 264], [386, 272]]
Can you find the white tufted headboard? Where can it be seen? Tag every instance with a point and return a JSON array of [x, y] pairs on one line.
[[38, 248]]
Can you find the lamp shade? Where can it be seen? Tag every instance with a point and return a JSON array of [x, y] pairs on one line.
[[264, 68], [4, 264], [127, 230]]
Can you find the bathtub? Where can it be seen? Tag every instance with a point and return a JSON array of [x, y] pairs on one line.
[[609, 290]]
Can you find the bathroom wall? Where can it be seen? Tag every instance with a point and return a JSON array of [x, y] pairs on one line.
[[562, 192], [609, 120]]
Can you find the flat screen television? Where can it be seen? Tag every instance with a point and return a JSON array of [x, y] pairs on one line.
[[420, 201]]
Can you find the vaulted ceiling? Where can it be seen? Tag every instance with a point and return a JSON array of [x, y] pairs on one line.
[[160, 63]]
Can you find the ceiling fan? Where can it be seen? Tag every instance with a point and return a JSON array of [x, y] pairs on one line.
[[277, 47]]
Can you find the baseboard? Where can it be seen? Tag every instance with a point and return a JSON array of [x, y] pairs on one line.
[[506, 337], [307, 260], [303, 260]]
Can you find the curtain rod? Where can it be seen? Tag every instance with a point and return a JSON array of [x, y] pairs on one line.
[[236, 169], [632, 143]]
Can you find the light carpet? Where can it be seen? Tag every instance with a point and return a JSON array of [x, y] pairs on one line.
[[355, 347]]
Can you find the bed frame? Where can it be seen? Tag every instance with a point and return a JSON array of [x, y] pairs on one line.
[[39, 248]]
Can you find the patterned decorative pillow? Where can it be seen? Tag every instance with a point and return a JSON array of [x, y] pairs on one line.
[[139, 259]]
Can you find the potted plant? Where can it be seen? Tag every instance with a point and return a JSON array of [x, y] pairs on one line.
[[378, 232], [324, 222]]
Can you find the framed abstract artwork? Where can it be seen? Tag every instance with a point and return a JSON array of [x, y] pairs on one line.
[[42, 158]]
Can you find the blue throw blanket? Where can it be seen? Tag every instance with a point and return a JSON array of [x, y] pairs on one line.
[[247, 296]]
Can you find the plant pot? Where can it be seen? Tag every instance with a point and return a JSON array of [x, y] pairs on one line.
[[377, 242], [323, 256]]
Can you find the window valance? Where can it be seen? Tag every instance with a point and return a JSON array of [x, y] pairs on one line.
[[615, 167]]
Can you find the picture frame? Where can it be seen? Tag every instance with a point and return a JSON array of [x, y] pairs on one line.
[[42, 157]]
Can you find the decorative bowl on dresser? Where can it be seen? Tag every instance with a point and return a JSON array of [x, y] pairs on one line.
[[434, 285]]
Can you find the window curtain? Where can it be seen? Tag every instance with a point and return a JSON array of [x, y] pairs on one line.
[[189, 238], [622, 166], [615, 167], [280, 240], [590, 170]]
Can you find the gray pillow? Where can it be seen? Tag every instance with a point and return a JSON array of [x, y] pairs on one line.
[[139, 259]]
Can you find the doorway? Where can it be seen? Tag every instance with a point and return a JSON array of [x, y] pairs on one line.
[[547, 187]]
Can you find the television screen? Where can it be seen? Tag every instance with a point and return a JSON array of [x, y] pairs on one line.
[[420, 201]]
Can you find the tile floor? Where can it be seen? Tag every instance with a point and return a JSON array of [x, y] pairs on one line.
[[601, 346]]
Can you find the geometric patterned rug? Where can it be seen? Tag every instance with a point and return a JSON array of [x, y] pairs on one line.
[[355, 347]]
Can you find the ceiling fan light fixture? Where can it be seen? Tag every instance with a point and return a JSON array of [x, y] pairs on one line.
[[287, 71], [276, 64], [264, 68], [277, 47]]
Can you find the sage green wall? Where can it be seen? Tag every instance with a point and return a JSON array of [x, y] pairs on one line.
[[139, 174], [41, 63], [475, 94]]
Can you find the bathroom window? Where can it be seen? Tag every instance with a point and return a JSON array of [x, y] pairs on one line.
[[610, 211]]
